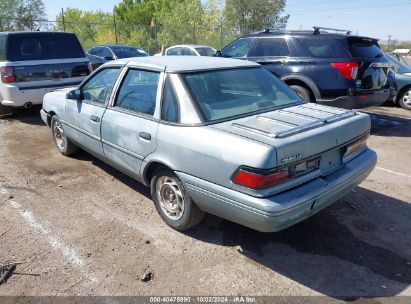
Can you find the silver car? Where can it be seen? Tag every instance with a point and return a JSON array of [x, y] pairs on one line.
[[214, 135]]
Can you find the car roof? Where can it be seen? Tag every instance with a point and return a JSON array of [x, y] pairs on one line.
[[306, 34], [185, 63], [35, 33], [190, 45], [117, 45]]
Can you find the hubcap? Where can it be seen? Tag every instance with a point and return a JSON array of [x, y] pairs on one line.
[[171, 197], [406, 99], [59, 135]]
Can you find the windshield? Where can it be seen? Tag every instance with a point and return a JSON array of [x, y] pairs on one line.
[[128, 51], [205, 51], [222, 94], [398, 66]]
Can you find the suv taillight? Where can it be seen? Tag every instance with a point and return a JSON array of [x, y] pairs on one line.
[[7, 75], [261, 179], [348, 69]]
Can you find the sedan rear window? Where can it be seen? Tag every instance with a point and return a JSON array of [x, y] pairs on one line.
[[42, 46], [223, 94]]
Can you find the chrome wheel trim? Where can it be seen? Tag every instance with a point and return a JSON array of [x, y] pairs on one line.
[[171, 197], [406, 98], [59, 135]]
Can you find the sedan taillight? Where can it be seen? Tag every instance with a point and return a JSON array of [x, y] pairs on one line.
[[348, 69], [261, 179], [90, 68], [7, 75]]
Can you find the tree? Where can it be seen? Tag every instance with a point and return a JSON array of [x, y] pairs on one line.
[[18, 15], [90, 27], [255, 15]]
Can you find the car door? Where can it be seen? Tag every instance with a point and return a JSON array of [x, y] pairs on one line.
[[84, 116], [129, 129], [273, 53]]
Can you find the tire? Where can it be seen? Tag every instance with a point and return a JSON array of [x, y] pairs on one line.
[[5, 111], [405, 99], [62, 143], [173, 202], [302, 92]]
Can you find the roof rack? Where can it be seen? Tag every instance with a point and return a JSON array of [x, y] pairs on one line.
[[317, 30]]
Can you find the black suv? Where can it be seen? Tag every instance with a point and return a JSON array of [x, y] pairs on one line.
[[336, 69]]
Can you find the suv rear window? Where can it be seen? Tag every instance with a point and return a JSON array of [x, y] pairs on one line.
[[364, 48], [322, 47], [39, 46]]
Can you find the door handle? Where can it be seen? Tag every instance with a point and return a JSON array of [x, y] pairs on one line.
[[145, 135], [94, 118]]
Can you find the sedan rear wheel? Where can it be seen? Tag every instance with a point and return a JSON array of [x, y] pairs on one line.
[[172, 201], [405, 99], [63, 144]]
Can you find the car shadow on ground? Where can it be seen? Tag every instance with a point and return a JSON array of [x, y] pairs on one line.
[[322, 253], [28, 116]]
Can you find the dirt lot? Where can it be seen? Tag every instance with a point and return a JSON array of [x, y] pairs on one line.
[[83, 228]]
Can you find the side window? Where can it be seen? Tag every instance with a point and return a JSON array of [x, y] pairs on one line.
[[240, 48], [266, 47], [188, 52], [2, 47], [99, 86], [175, 51], [169, 107], [138, 92], [321, 47]]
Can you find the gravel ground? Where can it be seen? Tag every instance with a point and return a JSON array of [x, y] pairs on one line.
[[82, 228]]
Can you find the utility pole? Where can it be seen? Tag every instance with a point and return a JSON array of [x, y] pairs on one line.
[[115, 25], [62, 18], [389, 42]]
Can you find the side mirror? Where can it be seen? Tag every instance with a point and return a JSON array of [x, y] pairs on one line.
[[109, 58], [218, 54], [76, 94]]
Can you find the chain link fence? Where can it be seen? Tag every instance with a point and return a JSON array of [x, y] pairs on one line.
[[150, 38]]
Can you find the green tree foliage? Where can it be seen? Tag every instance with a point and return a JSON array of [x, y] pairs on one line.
[[152, 23], [255, 15], [90, 27], [18, 15]]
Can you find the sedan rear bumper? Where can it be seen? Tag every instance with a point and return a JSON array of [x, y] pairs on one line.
[[279, 211]]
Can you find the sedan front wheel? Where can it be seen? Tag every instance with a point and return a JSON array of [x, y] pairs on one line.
[[405, 99], [63, 144]]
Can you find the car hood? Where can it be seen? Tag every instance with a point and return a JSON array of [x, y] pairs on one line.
[[301, 131]]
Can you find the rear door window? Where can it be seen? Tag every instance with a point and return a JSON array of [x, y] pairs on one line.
[[177, 51], [322, 47], [43, 46], [266, 47], [138, 92], [364, 48]]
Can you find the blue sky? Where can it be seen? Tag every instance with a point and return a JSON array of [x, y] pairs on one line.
[[376, 18]]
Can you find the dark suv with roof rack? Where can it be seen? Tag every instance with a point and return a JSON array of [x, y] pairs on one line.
[[336, 69]]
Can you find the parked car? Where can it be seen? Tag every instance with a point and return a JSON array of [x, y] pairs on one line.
[[34, 63], [214, 135], [189, 50], [337, 69], [101, 54], [400, 81]]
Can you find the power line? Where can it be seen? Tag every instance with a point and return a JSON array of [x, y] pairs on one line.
[[319, 2]]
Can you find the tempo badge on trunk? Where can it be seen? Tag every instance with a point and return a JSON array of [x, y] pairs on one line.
[[291, 158]]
